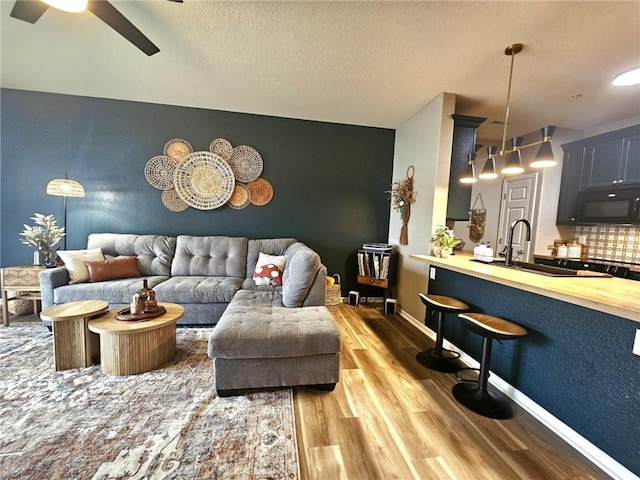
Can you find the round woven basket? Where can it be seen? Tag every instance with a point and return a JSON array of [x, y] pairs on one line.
[[333, 296]]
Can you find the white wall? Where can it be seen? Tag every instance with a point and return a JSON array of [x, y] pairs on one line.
[[423, 141]]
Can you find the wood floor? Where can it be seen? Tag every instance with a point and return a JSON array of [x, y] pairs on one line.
[[391, 418]]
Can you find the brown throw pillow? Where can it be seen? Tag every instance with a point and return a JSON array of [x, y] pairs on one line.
[[119, 267]]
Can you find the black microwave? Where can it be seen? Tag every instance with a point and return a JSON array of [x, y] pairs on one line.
[[609, 205]]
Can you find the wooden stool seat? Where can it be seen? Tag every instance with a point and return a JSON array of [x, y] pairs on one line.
[[439, 358], [474, 394]]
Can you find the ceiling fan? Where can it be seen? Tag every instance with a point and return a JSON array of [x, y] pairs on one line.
[[31, 10]]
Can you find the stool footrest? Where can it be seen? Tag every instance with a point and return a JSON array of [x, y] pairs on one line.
[[440, 363], [487, 403], [468, 380]]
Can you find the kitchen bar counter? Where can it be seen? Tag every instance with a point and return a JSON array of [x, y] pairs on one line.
[[615, 296], [576, 362]]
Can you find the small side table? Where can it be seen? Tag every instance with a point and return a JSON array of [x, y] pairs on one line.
[[71, 336], [22, 279]]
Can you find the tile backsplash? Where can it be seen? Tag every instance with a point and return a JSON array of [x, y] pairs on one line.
[[619, 243]]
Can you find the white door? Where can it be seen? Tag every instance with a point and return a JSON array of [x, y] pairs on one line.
[[518, 201]]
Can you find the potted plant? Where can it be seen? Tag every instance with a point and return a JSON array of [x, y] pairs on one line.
[[443, 241], [44, 235]]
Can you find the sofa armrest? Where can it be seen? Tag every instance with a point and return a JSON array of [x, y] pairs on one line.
[[317, 292], [50, 279]]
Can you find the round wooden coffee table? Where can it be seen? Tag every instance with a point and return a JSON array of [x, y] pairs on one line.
[[131, 347], [71, 338]]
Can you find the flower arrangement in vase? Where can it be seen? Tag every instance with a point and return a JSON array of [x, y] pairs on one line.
[[44, 235], [443, 241]]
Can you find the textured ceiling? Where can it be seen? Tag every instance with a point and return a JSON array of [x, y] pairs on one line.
[[363, 63]]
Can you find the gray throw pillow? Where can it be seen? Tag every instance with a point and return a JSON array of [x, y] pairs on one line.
[[298, 277]]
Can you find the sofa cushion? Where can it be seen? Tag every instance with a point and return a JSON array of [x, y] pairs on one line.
[[154, 252], [112, 269], [198, 289], [299, 275], [74, 261], [210, 256], [256, 325], [116, 292]]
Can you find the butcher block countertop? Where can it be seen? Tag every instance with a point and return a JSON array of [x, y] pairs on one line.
[[616, 296]]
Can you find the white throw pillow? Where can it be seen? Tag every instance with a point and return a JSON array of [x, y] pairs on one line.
[[269, 269], [74, 261]]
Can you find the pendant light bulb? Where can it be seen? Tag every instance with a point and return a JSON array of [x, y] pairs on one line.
[[544, 158], [513, 164]]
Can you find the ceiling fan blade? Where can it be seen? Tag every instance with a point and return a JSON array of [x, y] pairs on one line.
[[112, 17], [28, 10]]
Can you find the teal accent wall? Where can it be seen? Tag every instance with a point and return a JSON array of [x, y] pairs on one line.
[[329, 179]]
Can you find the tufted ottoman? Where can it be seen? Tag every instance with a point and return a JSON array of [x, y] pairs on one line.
[[260, 343]]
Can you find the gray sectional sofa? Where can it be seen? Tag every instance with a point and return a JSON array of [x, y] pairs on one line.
[[264, 335]]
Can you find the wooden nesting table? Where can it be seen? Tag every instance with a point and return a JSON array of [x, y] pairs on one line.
[[71, 338], [22, 279], [128, 348]]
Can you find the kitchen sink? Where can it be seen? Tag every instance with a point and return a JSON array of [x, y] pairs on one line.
[[551, 271]]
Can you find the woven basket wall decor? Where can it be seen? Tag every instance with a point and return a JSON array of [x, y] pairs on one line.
[[177, 149], [204, 180], [172, 201], [241, 196], [246, 163], [261, 191], [159, 171], [221, 147]]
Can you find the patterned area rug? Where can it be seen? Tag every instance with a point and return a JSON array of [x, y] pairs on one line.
[[169, 423]]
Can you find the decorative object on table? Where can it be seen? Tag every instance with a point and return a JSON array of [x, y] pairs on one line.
[[261, 192], [127, 315], [178, 149], [204, 180], [477, 220], [443, 241], [43, 235], [402, 196], [65, 187], [159, 171], [246, 163], [172, 201], [221, 147], [241, 196]]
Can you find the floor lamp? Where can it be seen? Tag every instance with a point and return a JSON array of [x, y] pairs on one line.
[[65, 187]]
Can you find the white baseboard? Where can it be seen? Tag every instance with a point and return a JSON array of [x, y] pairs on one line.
[[601, 459]]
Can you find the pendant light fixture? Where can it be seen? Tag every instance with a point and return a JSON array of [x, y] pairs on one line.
[[513, 164], [470, 172], [544, 157], [513, 159], [489, 169]]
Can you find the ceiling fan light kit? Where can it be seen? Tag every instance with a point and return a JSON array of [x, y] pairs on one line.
[[31, 10], [72, 6], [513, 159]]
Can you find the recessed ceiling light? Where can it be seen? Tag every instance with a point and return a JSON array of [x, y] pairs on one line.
[[630, 77]]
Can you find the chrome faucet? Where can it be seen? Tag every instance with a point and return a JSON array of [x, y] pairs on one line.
[[509, 254]]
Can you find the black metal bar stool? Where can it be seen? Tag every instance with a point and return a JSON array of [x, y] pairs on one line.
[[474, 394], [440, 358]]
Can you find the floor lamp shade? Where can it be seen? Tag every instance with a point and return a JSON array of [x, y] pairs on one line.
[[65, 187]]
